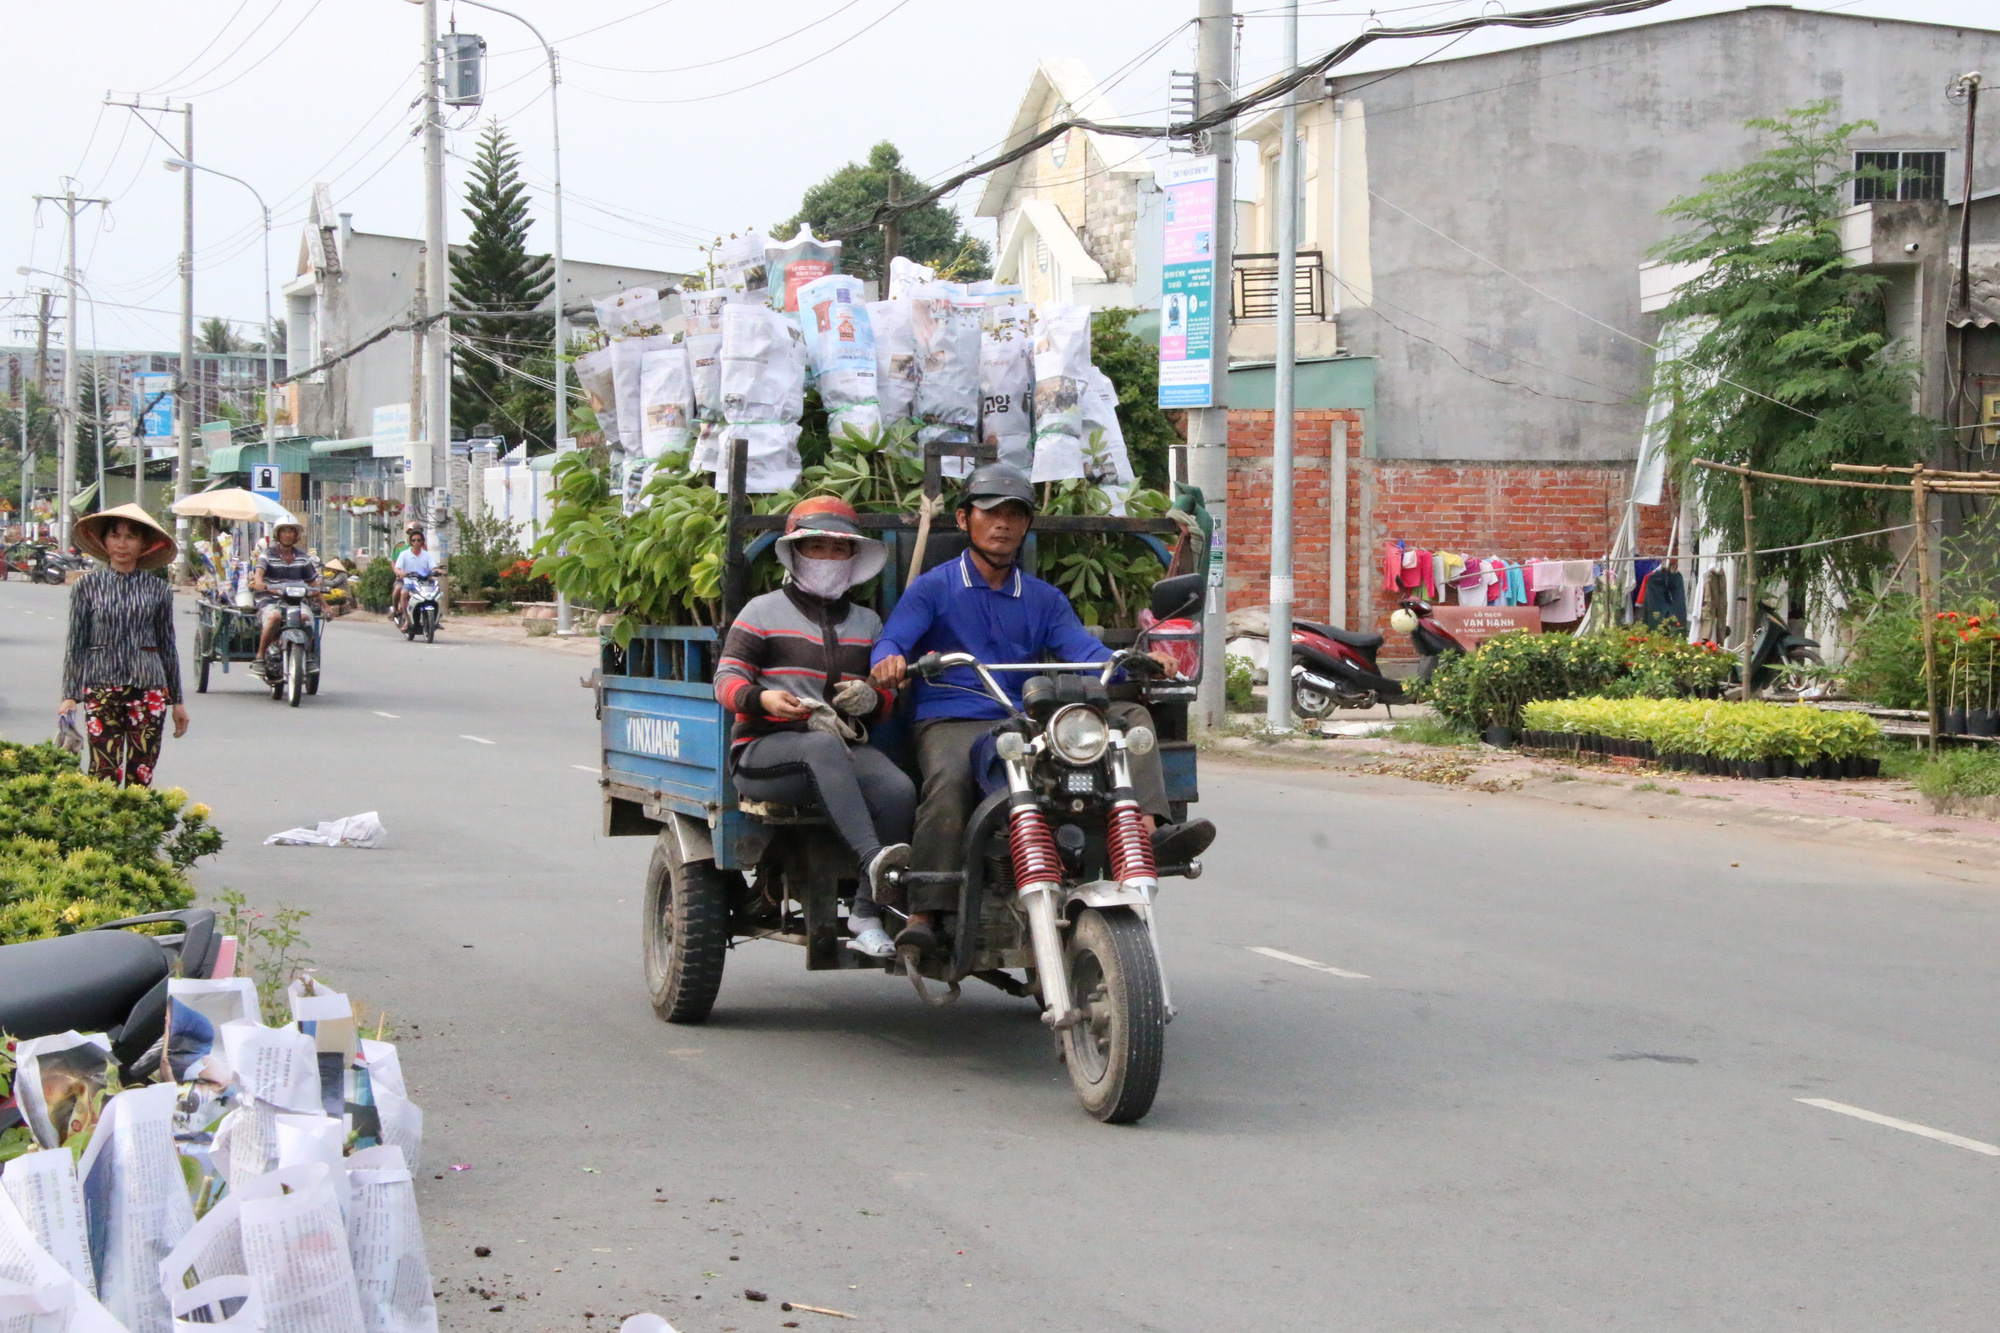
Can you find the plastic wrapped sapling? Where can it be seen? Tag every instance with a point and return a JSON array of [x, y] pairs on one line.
[[1006, 385], [841, 340], [944, 325], [790, 265], [763, 395], [1062, 363]]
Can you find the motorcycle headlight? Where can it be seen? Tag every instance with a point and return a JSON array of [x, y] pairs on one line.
[[1078, 734]]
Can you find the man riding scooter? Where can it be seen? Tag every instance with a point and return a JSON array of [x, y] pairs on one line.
[[984, 604], [283, 561]]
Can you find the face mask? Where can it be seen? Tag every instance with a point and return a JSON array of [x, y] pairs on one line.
[[822, 578]]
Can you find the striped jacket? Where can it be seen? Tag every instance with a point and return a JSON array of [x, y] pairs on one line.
[[121, 632], [791, 640]]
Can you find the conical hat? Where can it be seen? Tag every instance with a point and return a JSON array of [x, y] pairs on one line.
[[88, 533]]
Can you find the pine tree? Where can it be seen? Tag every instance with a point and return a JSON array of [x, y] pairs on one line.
[[495, 272]]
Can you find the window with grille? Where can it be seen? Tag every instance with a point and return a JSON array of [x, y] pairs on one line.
[[1898, 175]]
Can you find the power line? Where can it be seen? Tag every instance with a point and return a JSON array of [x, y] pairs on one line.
[[269, 14], [723, 60], [258, 63]]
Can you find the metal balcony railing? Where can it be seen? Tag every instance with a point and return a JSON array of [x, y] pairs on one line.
[[1254, 293]]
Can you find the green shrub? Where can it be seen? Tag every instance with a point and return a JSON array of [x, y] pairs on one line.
[[376, 588], [76, 851], [1711, 727], [1967, 772], [1432, 731], [1886, 664], [1236, 685], [1488, 688]]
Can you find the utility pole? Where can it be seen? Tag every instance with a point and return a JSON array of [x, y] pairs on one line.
[[71, 205], [433, 451], [185, 391], [1278, 693], [1208, 427], [892, 233], [42, 318]]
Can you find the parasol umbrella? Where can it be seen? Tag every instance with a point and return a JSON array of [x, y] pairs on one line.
[[236, 504]]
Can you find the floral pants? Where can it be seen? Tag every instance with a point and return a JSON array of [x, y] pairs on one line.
[[125, 725]]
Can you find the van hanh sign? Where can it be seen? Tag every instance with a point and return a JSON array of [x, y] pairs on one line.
[[1187, 284]]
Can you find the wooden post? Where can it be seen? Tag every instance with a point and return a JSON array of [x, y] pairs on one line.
[[1752, 611], [1920, 514]]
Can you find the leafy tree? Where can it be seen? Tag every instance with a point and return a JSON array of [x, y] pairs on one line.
[[495, 272], [930, 234], [217, 336], [1132, 364], [44, 440], [1790, 368]]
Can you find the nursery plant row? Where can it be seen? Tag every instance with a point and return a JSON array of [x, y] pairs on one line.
[[1747, 740]]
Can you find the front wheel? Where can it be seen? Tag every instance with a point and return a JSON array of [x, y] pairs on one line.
[[1114, 1054], [430, 626], [295, 675], [686, 929]]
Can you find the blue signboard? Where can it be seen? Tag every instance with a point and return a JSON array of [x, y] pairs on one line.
[[153, 405]]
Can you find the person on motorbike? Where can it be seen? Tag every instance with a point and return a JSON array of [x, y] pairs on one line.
[[984, 604], [283, 561], [414, 562], [794, 670]]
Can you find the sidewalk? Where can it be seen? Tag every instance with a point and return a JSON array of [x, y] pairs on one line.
[[1862, 810]]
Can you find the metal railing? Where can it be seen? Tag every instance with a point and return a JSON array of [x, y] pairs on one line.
[[1254, 292]]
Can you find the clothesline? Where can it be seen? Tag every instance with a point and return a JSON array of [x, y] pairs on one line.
[[1763, 550]]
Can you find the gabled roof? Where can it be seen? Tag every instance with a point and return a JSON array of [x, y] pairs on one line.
[[1046, 221], [1070, 83]]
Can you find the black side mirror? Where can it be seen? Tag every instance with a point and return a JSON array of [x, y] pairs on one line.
[[1176, 596]]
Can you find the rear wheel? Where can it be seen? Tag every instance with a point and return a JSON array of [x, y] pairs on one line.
[[686, 928], [1114, 1054], [201, 675], [1310, 703]]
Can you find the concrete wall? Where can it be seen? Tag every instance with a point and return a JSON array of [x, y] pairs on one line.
[[1553, 162]]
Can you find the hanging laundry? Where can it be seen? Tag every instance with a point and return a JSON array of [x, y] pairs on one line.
[[1392, 566], [1517, 587], [1663, 600], [1544, 575]]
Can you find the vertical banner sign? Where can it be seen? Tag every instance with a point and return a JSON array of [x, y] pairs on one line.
[[153, 407], [1188, 284]]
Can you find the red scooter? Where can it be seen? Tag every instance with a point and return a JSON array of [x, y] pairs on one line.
[[1336, 668]]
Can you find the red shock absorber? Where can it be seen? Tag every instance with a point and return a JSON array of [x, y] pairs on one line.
[[1130, 845], [1033, 847]]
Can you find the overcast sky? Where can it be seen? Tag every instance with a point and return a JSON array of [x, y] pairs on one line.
[[675, 126]]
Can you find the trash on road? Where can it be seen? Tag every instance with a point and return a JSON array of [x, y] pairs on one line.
[[354, 831], [817, 1309], [645, 1323]]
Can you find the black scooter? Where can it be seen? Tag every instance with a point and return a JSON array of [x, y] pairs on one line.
[[1775, 654], [108, 980]]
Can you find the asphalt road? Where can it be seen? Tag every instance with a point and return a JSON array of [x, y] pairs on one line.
[[1564, 1092]]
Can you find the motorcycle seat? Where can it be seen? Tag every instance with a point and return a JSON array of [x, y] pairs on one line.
[[1365, 642], [89, 982]]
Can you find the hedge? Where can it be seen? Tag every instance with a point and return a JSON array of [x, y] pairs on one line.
[[1488, 688], [1687, 729], [76, 851]]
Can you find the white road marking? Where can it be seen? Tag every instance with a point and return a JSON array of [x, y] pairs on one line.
[[392, 716], [1284, 957], [481, 740], [1970, 1145], [583, 768]]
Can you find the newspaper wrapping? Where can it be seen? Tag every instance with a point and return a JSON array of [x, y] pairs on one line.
[[742, 272], [402, 1120], [1062, 359], [38, 1293], [291, 1243], [905, 274], [275, 1065], [593, 372], [56, 1082], [1105, 455], [763, 394], [702, 312], [44, 1189], [627, 359], [1007, 385], [944, 325], [386, 1243], [896, 367], [666, 402], [841, 339], [137, 1201]]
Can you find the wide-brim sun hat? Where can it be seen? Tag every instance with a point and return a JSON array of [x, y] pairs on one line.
[[88, 533], [830, 516]]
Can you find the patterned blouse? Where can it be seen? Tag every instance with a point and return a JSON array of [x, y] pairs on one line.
[[121, 632]]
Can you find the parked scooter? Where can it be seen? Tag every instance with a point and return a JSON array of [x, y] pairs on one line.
[[110, 980], [1336, 668], [1779, 659], [420, 613], [42, 564], [1431, 640]]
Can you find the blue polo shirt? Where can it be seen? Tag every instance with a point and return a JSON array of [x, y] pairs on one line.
[[951, 609]]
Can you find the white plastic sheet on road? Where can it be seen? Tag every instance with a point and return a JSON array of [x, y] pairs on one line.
[[364, 830]]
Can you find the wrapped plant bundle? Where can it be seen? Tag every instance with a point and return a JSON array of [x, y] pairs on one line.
[[702, 312], [896, 367], [905, 274], [1105, 456], [841, 340], [763, 394], [944, 324], [666, 401], [791, 265], [742, 271], [593, 372], [1007, 385], [627, 358], [1062, 363]]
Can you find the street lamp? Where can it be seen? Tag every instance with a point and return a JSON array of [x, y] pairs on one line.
[[561, 375], [270, 352]]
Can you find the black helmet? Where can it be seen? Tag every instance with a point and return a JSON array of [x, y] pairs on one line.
[[996, 484]]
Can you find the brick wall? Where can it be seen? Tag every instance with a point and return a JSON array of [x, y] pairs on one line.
[[1514, 510]]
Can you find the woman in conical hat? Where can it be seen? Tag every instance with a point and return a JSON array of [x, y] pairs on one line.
[[123, 667]]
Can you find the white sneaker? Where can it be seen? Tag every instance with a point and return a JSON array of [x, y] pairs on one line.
[[873, 941]]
